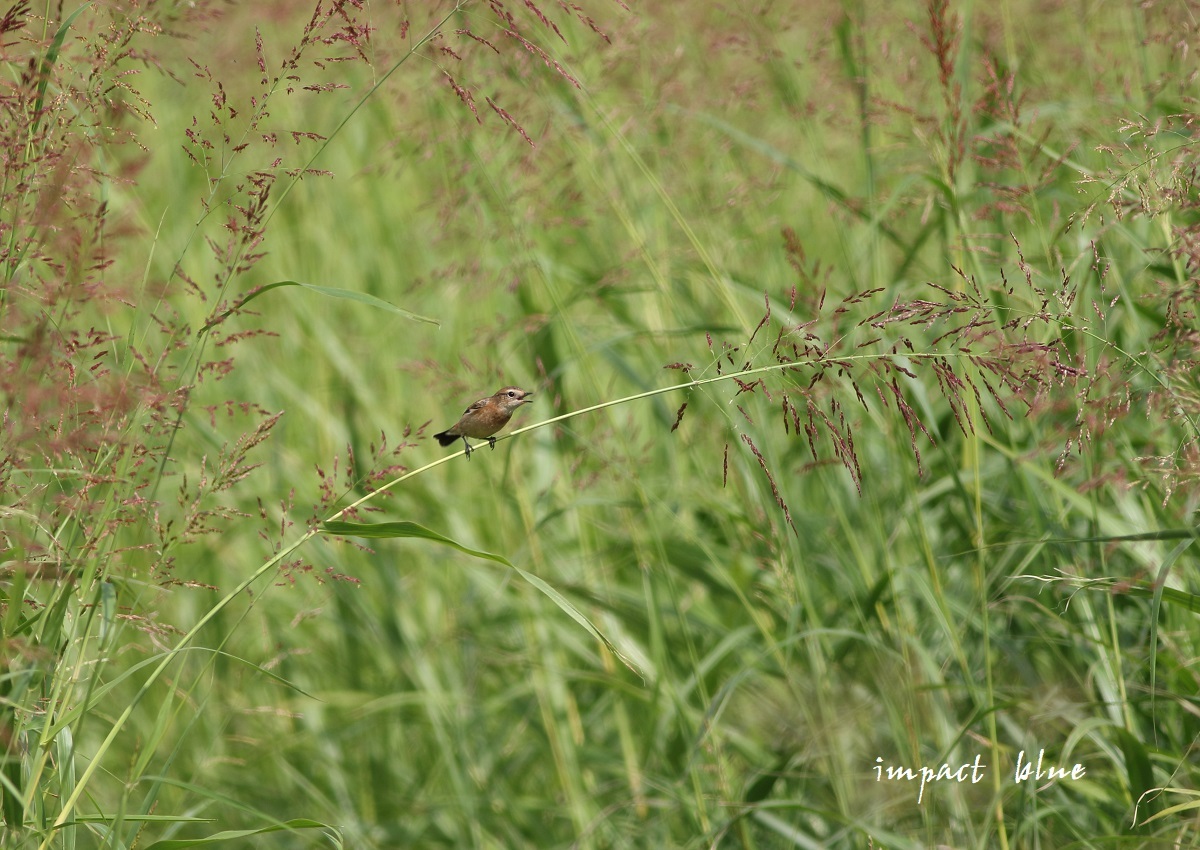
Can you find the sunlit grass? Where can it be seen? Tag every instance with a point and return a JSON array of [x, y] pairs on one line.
[[778, 620]]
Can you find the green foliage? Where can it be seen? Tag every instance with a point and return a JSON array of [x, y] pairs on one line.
[[865, 429]]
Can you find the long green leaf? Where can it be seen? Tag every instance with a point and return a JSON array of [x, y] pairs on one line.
[[233, 834], [404, 528], [51, 58], [380, 530], [330, 291], [1188, 601]]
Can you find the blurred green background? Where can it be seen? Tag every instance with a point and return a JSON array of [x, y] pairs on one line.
[[830, 160]]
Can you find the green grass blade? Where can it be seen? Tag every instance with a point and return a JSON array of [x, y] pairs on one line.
[[235, 834], [331, 292], [404, 528]]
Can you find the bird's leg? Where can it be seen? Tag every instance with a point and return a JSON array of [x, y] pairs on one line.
[[468, 445], [492, 442]]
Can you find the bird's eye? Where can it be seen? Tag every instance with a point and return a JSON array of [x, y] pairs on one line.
[[512, 394]]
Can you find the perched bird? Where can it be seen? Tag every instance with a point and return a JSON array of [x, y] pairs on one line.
[[485, 417]]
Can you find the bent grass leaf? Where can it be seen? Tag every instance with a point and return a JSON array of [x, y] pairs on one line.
[[330, 291], [404, 528], [1148, 590], [1170, 811], [381, 530], [234, 834]]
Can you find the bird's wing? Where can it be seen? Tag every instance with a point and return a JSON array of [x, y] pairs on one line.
[[476, 405]]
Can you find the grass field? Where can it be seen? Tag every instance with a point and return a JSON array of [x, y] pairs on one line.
[[855, 507]]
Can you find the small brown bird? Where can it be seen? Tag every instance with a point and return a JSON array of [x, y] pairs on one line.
[[485, 417]]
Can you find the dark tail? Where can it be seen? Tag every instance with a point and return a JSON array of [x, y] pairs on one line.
[[445, 438]]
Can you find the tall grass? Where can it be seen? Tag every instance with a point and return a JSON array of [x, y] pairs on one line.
[[937, 506]]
